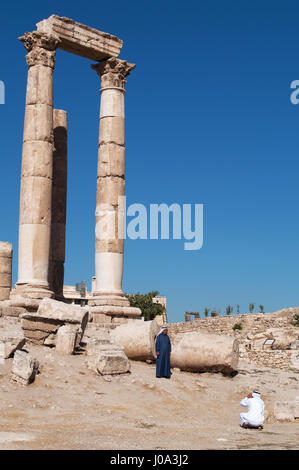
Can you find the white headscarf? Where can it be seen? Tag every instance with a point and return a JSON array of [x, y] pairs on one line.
[[161, 331]]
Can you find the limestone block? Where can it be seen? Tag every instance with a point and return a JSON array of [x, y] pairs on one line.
[[109, 190], [47, 325], [10, 341], [66, 339], [137, 338], [35, 336], [294, 360], [51, 315], [111, 160], [4, 293], [50, 340], [203, 352], [38, 123], [102, 318], [112, 103], [32, 163], [284, 410], [81, 39], [113, 310], [111, 361], [60, 311], [5, 270], [24, 368], [112, 130], [35, 209], [19, 302], [106, 357], [110, 246], [39, 86]]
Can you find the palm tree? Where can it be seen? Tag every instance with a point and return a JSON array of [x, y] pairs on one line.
[[238, 308], [251, 308], [261, 309], [206, 312], [229, 309], [215, 313]]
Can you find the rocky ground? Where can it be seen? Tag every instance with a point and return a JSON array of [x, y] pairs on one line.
[[70, 407]]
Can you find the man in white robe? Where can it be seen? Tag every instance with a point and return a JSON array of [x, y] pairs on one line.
[[254, 418]]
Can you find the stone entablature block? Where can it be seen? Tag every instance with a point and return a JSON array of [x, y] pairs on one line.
[[80, 39]]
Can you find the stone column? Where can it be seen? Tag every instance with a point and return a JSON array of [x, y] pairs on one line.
[[108, 296], [37, 167], [5, 269], [59, 197]]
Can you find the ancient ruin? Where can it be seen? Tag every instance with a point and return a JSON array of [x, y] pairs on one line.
[[42, 218]]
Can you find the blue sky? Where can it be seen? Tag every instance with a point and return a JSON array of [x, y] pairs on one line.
[[208, 120]]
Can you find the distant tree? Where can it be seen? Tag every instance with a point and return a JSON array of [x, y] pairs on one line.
[[238, 308], [215, 313], [206, 312], [148, 308], [251, 308], [261, 308], [229, 309], [295, 320]]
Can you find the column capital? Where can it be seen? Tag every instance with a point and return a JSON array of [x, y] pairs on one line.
[[41, 48], [113, 72]]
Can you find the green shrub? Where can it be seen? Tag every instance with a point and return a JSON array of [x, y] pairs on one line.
[[237, 326], [148, 308], [295, 321]]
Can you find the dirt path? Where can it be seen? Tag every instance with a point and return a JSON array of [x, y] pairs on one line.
[[70, 407]]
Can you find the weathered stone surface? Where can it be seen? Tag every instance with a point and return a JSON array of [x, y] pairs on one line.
[[12, 311], [50, 340], [66, 339], [105, 356], [10, 341], [51, 309], [80, 39], [50, 317], [110, 189], [111, 361], [36, 336], [59, 196], [37, 168], [111, 160], [46, 325], [285, 410], [201, 352], [137, 338], [4, 293], [5, 269], [24, 368], [294, 360]]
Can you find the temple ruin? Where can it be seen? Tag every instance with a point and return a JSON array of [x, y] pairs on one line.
[[43, 195]]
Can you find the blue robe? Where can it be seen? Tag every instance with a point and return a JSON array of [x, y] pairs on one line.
[[163, 346]]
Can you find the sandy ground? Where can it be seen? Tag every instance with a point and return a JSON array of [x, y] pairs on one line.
[[70, 407]]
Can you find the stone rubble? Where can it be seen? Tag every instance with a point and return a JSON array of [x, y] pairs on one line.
[[24, 368], [106, 357]]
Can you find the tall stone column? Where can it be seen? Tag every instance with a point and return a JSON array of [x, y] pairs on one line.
[[59, 198], [37, 168], [108, 298], [5, 269]]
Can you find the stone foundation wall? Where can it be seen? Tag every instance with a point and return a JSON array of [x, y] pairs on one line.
[[283, 353]]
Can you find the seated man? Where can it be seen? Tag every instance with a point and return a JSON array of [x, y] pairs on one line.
[[254, 418]]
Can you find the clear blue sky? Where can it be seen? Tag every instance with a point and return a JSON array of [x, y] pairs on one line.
[[208, 120]]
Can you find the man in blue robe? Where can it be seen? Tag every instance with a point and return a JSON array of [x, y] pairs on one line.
[[163, 350]]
